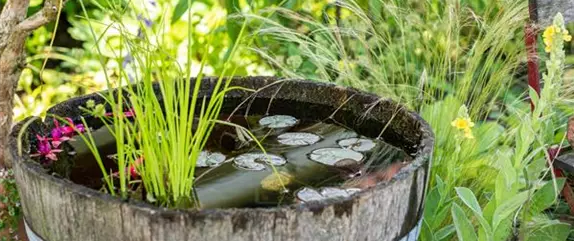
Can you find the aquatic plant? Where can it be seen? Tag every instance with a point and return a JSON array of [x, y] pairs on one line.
[[159, 138]]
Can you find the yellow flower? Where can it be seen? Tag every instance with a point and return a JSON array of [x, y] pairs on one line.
[[549, 35], [566, 37], [462, 123], [549, 32]]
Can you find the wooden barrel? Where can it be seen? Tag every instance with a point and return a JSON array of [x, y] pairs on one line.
[[56, 209]]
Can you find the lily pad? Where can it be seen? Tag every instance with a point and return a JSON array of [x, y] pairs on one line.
[[278, 121], [332, 155], [209, 159], [333, 192], [357, 144], [257, 161], [298, 138], [309, 194]]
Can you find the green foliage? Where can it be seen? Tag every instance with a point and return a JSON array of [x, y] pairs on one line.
[[180, 9], [163, 146], [11, 214], [464, 228], [432, 57], [74, 66], [519, 185], [412, 53]]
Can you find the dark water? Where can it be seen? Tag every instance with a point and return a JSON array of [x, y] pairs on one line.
[[230, 186]]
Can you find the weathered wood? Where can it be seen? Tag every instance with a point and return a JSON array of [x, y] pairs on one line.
[[545, 10], [59, 210]]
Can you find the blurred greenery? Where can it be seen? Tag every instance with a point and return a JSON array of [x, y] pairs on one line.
[[72, 67]]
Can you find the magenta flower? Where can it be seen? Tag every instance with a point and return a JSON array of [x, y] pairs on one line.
[[68, 130], [130, 113], [45, 149], [58, 137], [63, 133]]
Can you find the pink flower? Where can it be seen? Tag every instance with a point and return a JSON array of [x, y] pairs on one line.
[[45, 149], [57, 137], [130, 113], [66, 131]]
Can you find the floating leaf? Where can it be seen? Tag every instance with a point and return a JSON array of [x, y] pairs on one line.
[[331, 156], [298, 138], [278, 121], [332, 192], [209, 159], [256, 161], [309, 194], [248, 164], [357, 144]]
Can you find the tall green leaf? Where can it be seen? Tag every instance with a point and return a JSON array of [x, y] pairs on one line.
[[432, 205], [180, 9], [426, 232], [552, 232], [444, 233], [464, 229], [508, 207], [233, 25], [504, 229], [470, 201], [546, 196]]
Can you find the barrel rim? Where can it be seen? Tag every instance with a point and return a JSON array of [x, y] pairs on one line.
[[422, 158]]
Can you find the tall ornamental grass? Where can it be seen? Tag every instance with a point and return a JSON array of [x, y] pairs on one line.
[[460, 69]]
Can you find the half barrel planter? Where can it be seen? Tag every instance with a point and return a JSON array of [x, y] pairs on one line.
[[56, 209]]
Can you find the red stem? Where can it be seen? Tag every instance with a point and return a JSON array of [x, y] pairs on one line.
[[533, 74]]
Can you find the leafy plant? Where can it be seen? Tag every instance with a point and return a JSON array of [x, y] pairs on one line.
[[168, 132], [519, 184], [74, 66], [10, 212], [435, 59]]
